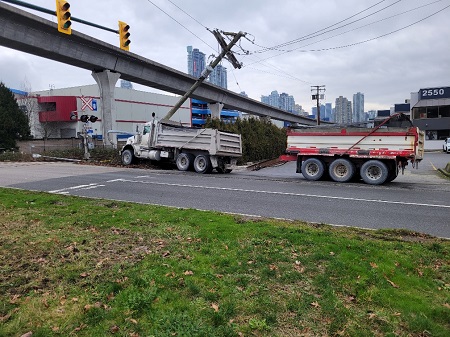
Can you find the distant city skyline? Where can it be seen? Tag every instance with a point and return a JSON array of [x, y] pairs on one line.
[[282, 101]]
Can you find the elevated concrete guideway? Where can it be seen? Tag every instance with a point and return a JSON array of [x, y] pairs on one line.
[[32, 34]]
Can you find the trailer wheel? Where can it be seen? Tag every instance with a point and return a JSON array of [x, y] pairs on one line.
[[393, 173], [184, 161], [374, 172], [202, 164], [128, 157], [341, 170], [313, 169]]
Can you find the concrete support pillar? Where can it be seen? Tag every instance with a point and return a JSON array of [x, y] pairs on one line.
[[216, 109], [106, 81]]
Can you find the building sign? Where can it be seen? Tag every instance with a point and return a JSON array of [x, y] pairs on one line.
[[433, 93]]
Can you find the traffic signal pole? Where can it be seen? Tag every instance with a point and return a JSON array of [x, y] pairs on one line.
[[226, 51]]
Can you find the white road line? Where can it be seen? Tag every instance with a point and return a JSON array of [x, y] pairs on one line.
[[79, 187], [284, 193]]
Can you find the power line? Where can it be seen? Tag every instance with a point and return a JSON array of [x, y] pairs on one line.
[[380, 36], [361, 42], [181, 24], [312, 35]]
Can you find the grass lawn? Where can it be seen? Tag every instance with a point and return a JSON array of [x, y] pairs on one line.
[[88, 267]]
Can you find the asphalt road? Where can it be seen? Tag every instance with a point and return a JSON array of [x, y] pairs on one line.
[[419, 200]]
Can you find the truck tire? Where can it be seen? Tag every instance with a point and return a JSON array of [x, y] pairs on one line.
[[128, 157], [313, 169], [202, 164], [393, 173], [185, 161], [341, 170], [374, 172]]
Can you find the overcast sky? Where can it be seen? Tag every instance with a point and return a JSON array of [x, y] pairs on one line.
[[384, 49]]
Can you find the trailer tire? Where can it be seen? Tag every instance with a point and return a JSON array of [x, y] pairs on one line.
[[374, 172], [185, 161], [128, 157], [202, 164], [393, 173], [313, 169], [341, 170]]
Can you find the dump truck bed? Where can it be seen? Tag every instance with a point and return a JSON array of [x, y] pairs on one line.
[[353, 141], [215, 142]]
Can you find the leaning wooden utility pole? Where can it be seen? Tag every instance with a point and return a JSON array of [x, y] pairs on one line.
[[226, 52], [318, 89]]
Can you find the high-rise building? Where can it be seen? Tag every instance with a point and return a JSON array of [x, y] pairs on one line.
[[219, 76], [328, 112], [196, 61], [196, 65], [286, 102], [343, 110], [272, 99], [358, 108]]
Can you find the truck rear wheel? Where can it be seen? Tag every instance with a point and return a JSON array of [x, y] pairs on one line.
[[313, 169], [341, 170], [202, 164], [184, 161], [374, 172], [128, 157]]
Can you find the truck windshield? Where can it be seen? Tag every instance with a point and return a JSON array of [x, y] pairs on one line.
[[146, 129]]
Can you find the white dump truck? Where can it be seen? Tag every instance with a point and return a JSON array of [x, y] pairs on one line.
[[201, 149], [189, 148], [376, 155]]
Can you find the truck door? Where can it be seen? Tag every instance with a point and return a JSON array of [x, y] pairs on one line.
[[146, 136]]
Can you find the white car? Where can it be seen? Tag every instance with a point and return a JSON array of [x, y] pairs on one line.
[[446, 146]]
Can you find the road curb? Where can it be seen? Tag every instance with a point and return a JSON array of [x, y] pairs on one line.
[[446, 171]]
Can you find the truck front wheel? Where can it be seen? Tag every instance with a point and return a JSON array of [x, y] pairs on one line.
[[127, 157], [374, 172], [313, 169], [184, 161], [341, 170], [202, 164]]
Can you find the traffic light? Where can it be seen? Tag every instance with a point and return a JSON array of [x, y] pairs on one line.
[[63, 15], [84, 118], [73, 116], [93, 119], [124, 35]]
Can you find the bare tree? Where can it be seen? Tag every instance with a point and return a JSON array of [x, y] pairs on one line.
[[29, 103]]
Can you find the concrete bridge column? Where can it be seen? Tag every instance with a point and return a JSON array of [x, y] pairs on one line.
[[216, 109], [106, 81]]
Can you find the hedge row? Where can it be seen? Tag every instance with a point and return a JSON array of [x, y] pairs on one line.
[[261, 139]]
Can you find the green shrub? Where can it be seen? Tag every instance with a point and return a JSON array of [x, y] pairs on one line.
[[14, 156], [261, 139]]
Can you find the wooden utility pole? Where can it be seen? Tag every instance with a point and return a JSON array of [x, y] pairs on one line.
[[318, 89]]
